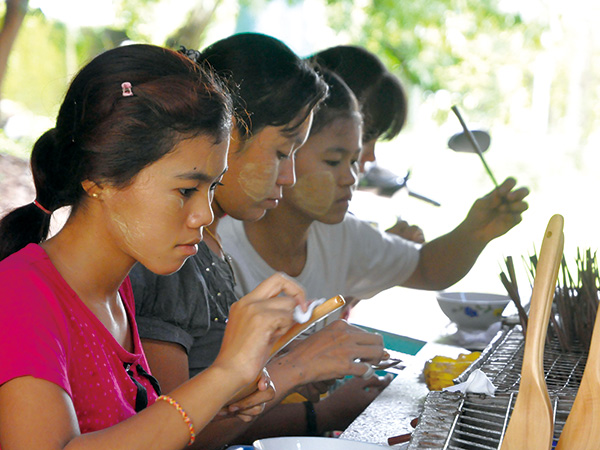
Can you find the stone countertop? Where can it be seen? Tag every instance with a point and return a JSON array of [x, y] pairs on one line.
[[416, 315], [392, 411]]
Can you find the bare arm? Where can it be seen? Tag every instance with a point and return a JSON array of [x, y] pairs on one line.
[[255, 323], [325, 355], [55, 427], [336, 412], [168, 362], [447, 259]]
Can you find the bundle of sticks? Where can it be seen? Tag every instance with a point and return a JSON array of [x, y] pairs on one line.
[[575, 299]]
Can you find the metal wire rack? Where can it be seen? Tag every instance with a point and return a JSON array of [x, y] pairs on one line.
[[472, 421]]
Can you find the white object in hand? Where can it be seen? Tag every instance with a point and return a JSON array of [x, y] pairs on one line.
[[303, 317], [478, 383]]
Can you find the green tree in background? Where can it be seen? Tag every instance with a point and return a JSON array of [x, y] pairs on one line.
[[13, 18], [452, 45], [48, 53], [481, 56]]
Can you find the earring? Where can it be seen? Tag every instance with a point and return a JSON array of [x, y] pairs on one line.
[[95, 195]]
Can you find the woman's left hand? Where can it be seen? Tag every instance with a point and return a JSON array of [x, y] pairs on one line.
[[250, 407]]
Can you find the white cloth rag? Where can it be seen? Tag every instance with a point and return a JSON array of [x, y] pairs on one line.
[[303, 317], [478, 383]]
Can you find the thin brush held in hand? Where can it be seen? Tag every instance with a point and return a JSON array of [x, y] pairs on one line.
[[475, 144]]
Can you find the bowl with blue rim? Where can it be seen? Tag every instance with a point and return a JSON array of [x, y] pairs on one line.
[[472, 311]]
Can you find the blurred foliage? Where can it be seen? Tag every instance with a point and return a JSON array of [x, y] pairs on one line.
[[466, 52], [133, 13], [451, 45], [37, 70]]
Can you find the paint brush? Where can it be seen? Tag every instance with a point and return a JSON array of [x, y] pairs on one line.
[[475, 144]]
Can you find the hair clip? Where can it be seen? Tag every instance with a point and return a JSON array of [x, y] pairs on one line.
[[192, 54], [127, 92]]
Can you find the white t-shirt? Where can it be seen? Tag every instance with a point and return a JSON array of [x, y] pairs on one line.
[[350, 258]]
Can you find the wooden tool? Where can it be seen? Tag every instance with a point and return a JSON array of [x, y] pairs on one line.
[[531, 422], [582, 429], [319, 313]]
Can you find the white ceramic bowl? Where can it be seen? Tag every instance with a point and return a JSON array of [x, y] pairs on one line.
[[312, 443], [472, 310]]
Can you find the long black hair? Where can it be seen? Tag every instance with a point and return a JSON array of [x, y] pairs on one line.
[[274, 87], [107, 136]]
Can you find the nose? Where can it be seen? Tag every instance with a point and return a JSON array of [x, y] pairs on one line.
[[367, 154], [350, 176], [200, 213], [287, 172]]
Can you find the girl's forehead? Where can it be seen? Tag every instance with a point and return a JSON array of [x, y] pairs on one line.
[[195, 155]]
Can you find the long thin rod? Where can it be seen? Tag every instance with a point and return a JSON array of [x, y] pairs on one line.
[[475, 144]]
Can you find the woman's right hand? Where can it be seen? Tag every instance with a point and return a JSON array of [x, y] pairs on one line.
[[255, 322], [335, 351]]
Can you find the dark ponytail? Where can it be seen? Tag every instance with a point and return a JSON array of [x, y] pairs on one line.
[[105, 136]]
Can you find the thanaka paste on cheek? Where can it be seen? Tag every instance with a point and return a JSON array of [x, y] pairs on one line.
[[131, 227], [257, 180], [132, 231], [314, 192]]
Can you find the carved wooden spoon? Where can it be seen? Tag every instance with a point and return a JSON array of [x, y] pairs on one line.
[[582, 429], [531, 423]]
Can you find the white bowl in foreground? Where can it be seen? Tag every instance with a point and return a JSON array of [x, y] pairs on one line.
[[312, 443], [472, 310]]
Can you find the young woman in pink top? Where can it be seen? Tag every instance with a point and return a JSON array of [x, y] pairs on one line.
[[139, 146]]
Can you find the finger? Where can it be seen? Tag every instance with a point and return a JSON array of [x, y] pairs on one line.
[[265, 381], [252, 400], [273, 315], [517, 195], [379, 382], [499, 194], [369, 372], [321, 387], [245, 418], [415, 234], [253, 411], [507, 184], [515, 208]]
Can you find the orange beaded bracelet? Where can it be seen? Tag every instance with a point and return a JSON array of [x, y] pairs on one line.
[[184, 415]]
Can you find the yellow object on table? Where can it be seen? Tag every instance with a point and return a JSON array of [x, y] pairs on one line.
[[440, 371]]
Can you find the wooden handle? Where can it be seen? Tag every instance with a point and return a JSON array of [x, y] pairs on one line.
[[319, 313], [531, 423], [581, 431], [544, 285]]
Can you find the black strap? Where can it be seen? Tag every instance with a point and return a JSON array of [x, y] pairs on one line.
[[311, 419], [153, 381], [141, 397]]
